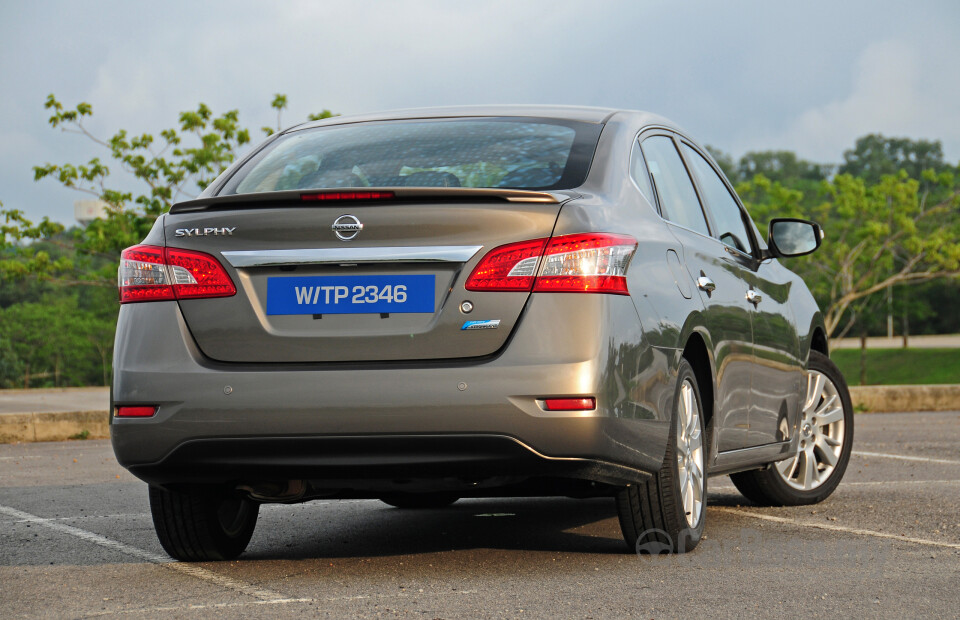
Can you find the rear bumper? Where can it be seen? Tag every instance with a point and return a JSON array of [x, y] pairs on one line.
[[369, 465], [465, 419]]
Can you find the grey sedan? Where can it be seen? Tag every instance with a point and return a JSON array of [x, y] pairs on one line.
[[429, 305]]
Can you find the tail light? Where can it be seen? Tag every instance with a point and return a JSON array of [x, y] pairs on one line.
[[507, 268], [152, 273], [581, 263]]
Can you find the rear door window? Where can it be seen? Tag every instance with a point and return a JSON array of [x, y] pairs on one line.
[[727, 216], [678, 198]]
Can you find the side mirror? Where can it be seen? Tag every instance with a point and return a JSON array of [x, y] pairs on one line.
[[789, 237]]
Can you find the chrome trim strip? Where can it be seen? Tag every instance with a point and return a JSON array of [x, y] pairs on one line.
[[327, 256]]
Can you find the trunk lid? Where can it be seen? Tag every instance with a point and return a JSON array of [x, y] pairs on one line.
[[391, 293]]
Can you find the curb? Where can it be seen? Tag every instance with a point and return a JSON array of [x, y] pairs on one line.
[[894, 398], [58, 426]]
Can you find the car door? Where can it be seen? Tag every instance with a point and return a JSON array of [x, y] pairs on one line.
[[716, 272], [776, 372]]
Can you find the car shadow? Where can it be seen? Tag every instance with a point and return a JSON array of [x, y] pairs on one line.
[[377, 530]]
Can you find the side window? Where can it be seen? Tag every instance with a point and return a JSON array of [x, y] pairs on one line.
[[638, 170], [726, 213], [678, 199]]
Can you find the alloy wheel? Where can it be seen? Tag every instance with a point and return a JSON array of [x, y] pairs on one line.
[[821, 436], [690, 454]]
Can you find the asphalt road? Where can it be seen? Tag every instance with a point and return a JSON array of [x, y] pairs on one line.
[[76, 540]]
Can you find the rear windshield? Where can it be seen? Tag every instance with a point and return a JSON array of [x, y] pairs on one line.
[[518, 153]]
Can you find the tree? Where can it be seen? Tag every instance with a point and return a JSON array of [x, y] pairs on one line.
[[877, 235], [874, 156], [782, 166], [174, 166], [57, 286]]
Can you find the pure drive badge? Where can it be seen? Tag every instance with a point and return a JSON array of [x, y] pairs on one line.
[[488, 324]]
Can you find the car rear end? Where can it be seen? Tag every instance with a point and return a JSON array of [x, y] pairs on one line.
[[379, 307]]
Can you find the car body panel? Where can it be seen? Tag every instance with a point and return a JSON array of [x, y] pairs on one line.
[[225, 378]]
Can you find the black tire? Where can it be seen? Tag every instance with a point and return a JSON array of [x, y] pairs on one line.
[[419, 501], [768, 487], [199, 526], [652, 515]]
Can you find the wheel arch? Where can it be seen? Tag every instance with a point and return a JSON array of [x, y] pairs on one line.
[[697, 353], [818, 341]]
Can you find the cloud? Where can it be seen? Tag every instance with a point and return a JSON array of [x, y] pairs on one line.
[[892, 93]]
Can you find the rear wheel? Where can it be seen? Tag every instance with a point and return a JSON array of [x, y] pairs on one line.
[[666, 514], [419, 500], [814, 470], [197, 526]]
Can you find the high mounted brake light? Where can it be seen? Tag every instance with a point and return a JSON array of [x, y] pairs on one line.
[[152, 273], [581, 263], [347, 196]]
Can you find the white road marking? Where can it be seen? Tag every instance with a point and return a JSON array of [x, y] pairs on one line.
[[873, 483], [198, 572], [838, 528], [284, 601], [129, 515], [902, 457], [189, 607]]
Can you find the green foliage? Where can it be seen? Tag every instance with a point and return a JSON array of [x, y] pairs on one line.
[[57, 287], [19, 258], [62, 339], [279, 103], [875, 156], [877, 235], [321, 115], [174, 167]]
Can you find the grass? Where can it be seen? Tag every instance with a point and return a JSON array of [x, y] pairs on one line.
[[84, 434], [900, 366]]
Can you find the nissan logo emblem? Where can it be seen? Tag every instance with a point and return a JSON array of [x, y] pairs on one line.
[[346, 227]]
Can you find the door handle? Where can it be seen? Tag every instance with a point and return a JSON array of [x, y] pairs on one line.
[[706, 284], [754, 297]]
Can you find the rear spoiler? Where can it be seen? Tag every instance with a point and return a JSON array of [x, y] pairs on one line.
[[307, 198]]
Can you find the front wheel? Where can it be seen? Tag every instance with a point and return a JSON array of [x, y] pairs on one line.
[[199, 526], [817, 465], [666, 514]]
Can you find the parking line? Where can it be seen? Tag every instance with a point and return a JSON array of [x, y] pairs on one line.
[[870, 483], [199, 607], [838, 528], [906, 458], [128, 515], [198, 572]]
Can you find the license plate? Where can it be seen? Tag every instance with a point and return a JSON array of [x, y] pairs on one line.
[[350, 294]]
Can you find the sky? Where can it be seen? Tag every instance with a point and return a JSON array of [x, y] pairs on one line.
[[740, 75]]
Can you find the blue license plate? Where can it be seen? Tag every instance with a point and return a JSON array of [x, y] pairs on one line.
[[350, 294]]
